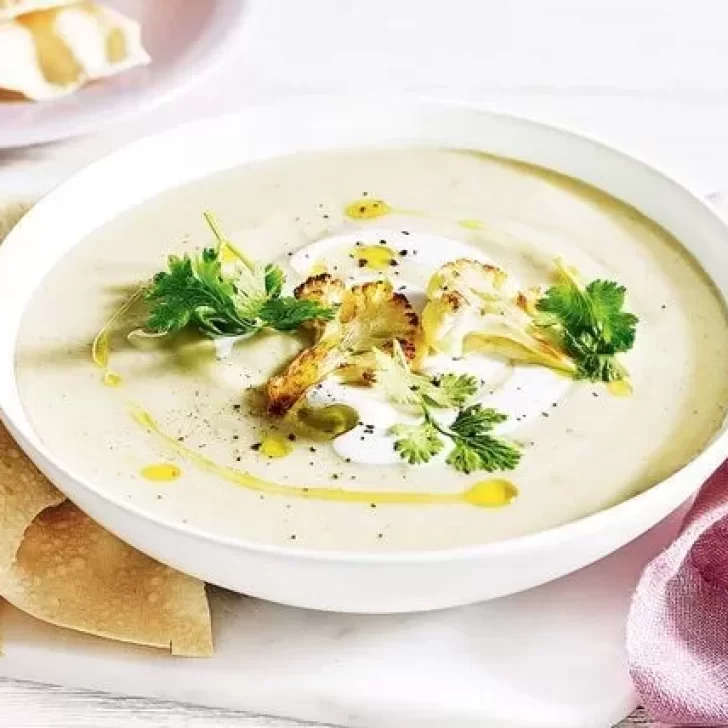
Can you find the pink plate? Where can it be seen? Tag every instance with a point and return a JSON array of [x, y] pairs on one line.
[[185, 39]]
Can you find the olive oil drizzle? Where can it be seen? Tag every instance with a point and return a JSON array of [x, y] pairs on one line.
[[485, 494], [101, 348]]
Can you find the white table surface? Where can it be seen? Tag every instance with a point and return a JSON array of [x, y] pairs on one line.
[[647, 74]]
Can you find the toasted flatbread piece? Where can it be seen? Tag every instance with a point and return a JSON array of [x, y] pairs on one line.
[[54, 52], [59, 566]]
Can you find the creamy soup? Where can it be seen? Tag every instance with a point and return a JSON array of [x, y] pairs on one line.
[[175, 426]]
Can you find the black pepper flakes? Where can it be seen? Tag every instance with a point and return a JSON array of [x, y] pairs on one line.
[[256, 446]]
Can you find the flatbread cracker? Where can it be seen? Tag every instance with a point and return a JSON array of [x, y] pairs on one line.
[[13, 8], [59, 566], [50, 53]]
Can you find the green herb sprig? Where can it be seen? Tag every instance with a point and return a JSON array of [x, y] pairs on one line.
[[475, 447], [589, 324], [222, 292]]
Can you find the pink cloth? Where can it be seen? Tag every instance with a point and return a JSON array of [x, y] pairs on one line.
[[677, 633]]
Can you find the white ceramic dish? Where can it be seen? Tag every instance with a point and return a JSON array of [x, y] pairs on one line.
[[204, 30], [337, 580]]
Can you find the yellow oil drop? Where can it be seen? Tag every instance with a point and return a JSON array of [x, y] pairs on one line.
[[367, 209], [110, 379], [620, 388], [161, 472], [100, 347], [227, 254], [317, 269], [100, 350], [471, 224], [491, 493], [375, 257], [276, 445]]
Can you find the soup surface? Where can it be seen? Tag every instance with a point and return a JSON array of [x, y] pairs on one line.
[[174, 426]]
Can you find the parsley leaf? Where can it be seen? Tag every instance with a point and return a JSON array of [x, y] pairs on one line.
[[451, 390], [476, 420], [274, 280], [288, 313], [404, 386], [589, 323], [194, 292], [474, 448], [222, 292], [417, 444]]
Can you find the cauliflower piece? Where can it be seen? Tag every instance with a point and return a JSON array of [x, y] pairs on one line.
[[325, 290], [470, 308], [371, 315]]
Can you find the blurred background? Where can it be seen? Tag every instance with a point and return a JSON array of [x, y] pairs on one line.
[[650, 74]]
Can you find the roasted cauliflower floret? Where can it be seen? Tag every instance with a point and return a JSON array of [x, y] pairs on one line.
[[325, 290], [322, 288], [475, 281], [371, 315], [470, 308]]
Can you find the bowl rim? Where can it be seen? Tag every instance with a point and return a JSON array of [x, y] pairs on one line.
[[682, 481]]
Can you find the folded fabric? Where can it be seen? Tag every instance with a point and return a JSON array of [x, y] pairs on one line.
[[677, 634]]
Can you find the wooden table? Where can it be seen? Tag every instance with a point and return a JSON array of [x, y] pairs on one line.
[[648, 74]]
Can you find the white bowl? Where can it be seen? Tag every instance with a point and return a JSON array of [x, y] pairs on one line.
[[342, 581]]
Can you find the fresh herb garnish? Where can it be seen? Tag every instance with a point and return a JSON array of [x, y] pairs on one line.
[[222, 292], [406, 387], [589, 323], [475, 448]]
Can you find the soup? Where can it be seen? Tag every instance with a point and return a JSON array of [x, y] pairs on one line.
[[196, 426]]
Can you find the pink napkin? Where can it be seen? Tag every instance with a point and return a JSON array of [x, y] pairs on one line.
[[677, 633]]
